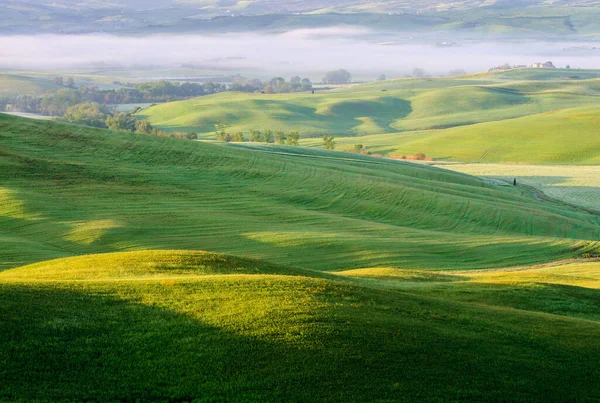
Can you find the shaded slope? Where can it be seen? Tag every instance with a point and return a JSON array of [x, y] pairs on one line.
[[267, 337]]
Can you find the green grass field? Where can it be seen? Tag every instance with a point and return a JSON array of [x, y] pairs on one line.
[[499, 117], [71, 190], [194, 326], [346, 277], [563, 137]]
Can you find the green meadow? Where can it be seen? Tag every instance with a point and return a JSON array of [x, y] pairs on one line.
[[72, 190], [196, 326], [143, 268]]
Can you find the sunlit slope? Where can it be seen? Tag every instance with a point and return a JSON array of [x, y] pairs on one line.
[[185, 326], [69, 190], [570, 136], [377, 108], [567, 289]]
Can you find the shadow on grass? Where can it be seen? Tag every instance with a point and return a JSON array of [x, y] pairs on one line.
[[86, 344]]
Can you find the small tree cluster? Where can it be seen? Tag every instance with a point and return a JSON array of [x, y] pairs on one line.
[[328, 142]]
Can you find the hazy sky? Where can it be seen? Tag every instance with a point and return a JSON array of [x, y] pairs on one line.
[[303, 52]]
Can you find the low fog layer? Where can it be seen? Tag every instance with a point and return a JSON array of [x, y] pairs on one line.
[[303, 52]]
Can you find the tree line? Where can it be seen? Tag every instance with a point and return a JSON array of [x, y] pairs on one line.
[[56, 103], [268, 136]]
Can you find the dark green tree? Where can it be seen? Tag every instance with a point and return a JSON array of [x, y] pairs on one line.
[[121, 122], [293, 138], [280, 137], [256, 136], [328, 142], [238, 137], [268, 136]]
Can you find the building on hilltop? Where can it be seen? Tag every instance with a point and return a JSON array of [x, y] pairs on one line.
[[547, 65]]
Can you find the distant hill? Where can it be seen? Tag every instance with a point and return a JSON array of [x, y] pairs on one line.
[[401, 116], [493, 17]]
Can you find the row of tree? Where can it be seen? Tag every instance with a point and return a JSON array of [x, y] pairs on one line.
[[257, 136], [56, 103], [269, 136]]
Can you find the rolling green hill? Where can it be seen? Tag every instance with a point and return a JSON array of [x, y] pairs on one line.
[[347, 277], [499, 117], [563, 137], [383, 107], [70, 190], [194, 326]]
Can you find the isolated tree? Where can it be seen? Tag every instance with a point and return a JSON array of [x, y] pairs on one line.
[[293, 139], [340, 76], [192, 136], [382, 77], [279, 137], [238, 137], [357, 148], [255, 135], [568, 66], [58, 80], [328, 142], [121, 121], [306, 84], [70, 82], [268, 136]]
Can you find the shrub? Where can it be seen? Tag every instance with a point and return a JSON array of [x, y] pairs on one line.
[[357, 148]]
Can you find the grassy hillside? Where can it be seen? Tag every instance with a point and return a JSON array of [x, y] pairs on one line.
[[562, 137], [376, 108], [183, 326], [71, 190]]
